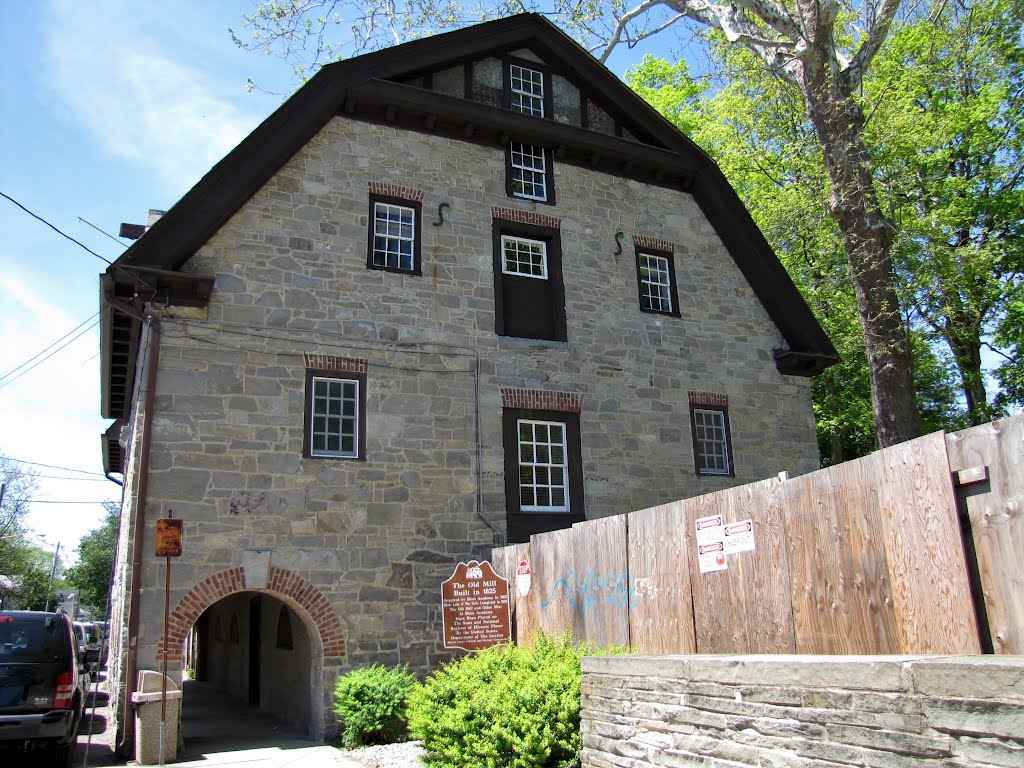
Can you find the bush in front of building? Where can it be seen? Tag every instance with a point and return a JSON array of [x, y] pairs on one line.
[[371, 704], [505, 707]]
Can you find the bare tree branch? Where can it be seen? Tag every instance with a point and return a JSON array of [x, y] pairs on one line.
[[876, 34]]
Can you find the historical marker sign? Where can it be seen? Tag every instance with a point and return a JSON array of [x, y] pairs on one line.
[[475, 607]]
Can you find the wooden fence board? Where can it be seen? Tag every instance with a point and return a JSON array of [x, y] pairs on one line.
[[602, 580], [554, 579], [927, 568], [660, 558], [868, 603], [719, 622], [524, 607], [764, 572], [815, 541], [995, 510]]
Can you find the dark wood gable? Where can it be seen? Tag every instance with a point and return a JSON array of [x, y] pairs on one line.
[[572, 101]]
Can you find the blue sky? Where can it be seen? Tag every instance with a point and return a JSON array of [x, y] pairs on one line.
[[110, 108]]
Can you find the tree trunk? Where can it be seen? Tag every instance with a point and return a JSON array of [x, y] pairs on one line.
[[867, 237], [967, 354]]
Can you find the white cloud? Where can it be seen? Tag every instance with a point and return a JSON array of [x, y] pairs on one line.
[[131, 87]]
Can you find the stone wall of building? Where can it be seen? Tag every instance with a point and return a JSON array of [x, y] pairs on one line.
[[373, 538], [795, 711]]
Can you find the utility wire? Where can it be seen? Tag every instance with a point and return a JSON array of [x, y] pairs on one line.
[[51, 226], [11, 379], [45, 350], [101, 501], [101, 231], [51, 466]]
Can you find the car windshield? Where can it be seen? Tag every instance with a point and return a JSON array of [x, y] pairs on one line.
[[30, 641]]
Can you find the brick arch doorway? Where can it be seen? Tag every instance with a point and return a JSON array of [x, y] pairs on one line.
[[247, 625]]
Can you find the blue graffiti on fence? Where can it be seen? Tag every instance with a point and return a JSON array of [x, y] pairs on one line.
[[592, 590]]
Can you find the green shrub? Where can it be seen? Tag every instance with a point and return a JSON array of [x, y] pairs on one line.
[[371, 704], [506, 707]]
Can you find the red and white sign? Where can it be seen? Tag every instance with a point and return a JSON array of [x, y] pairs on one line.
[[523, 578], [739, 537], [711, 557]]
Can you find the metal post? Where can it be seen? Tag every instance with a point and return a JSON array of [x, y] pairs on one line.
[[163, 677], [49, 585]]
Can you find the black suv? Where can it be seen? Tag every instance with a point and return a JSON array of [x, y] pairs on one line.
[[41, 694]]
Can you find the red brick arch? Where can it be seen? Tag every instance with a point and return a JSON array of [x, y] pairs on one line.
[[228, 582]]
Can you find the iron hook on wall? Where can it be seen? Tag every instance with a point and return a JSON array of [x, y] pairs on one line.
[[618, 242], [440, 214]]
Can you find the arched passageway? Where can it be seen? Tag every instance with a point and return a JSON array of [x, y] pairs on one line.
[[265, 646]]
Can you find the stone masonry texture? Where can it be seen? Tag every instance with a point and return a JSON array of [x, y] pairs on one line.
[[373, 538], [797, 711]]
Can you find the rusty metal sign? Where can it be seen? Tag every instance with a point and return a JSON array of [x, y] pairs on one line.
[[168, 537], [475, 607]]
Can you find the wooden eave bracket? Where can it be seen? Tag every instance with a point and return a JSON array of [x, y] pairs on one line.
[[971, 475], [792, 363], [173, 288]]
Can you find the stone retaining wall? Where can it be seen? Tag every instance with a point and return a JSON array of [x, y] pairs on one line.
[[884, 711]]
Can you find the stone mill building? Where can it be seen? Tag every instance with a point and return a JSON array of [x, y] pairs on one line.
[[448, 295]]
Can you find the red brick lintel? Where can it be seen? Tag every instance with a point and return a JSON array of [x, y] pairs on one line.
[[396, 190], [526, 217], [709, 398], [331, 363], [653, 243], [541, 400]]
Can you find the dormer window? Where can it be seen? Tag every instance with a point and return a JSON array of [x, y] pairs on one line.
[[527, 90]]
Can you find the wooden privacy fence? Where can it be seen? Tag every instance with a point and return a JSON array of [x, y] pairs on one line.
[[918, 548]]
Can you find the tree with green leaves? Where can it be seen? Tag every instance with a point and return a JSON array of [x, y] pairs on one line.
[[25, 567], [758, 133], [946, 102], [92, 573]]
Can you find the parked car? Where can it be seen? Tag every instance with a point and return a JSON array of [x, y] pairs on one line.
[[41, 690], [94, 647]]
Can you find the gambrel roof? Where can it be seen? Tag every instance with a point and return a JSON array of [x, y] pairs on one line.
[[411, 87]]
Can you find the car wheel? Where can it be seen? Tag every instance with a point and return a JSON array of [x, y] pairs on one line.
[[62, 754]]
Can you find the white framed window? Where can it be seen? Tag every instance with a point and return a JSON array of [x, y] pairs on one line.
[[394, 237], [334, 417], [523, 257], [528, 171], [527, 86], [655, 282], [711, 450], [543, 466]]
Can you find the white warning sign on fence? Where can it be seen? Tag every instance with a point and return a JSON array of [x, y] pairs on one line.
[[739, 537], [711, 557], [711, 544]]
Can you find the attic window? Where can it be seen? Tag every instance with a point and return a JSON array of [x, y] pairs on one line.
[[527, 88]]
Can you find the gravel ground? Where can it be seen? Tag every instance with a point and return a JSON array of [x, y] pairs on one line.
[[405, 755]]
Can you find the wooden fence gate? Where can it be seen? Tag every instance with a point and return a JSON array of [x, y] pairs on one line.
[[918, 548]]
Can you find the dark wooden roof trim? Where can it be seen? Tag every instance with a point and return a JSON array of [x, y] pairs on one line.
[[113, 455], [410, 107]]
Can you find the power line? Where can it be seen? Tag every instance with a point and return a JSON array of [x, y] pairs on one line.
[[74, 479], [51, 226], [101, 231], [101, 501], [46, 349], [51, 466], [8, 379]]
